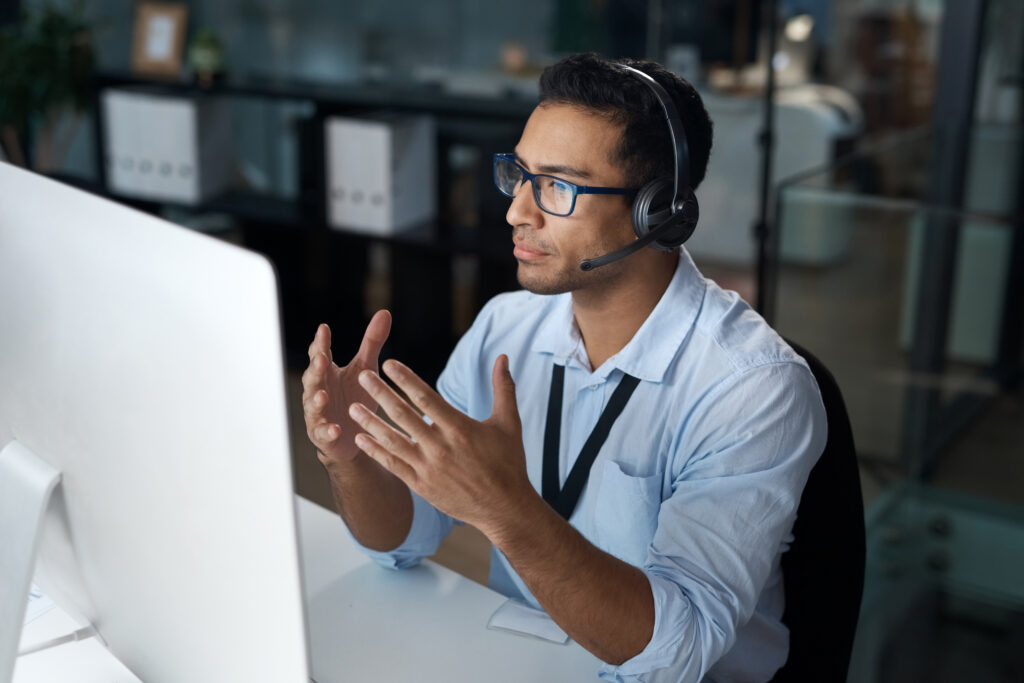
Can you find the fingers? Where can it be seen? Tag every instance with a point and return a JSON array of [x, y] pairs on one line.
[[383, 433], [319, 360], [325, 435], [313, 405], [321, 356], [322, 433], [394, 405], [505, 407], [386, 459], [321, 342], [313, 376], [373, 339], [428, 401]]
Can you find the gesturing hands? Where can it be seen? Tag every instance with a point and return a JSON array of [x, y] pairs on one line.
[[473, 471], [328, 390]]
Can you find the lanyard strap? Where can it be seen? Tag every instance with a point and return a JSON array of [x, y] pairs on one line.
[[564, 500]]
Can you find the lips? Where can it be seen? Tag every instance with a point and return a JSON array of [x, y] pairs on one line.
[[526, 249], [527, 252]]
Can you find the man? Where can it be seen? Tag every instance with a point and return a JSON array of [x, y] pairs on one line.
[[667, 566]]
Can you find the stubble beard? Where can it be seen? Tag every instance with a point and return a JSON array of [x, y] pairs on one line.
[[548, 278], [556, 284], [569, 279]]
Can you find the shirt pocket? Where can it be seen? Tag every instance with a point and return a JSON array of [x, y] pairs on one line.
[[626, 513]]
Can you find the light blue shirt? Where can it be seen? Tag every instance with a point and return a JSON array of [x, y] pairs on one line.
[[698, 481]]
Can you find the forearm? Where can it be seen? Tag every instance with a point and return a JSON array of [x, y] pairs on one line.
[[603, 603], [374, 504], [476, 472]]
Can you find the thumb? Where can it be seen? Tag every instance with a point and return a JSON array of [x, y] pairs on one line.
[[373, 339], [505, 408]]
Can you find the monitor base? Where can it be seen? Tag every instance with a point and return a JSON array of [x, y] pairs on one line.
[[26, 484]]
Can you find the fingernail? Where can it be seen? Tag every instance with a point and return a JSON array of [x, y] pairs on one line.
[[366, 378]]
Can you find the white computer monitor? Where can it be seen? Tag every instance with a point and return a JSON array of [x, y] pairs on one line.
[[144, 362]]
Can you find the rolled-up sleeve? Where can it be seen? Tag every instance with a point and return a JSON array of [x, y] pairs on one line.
[[739, 468], [429, 527]]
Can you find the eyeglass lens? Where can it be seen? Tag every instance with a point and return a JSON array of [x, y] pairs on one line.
[[551, 194]]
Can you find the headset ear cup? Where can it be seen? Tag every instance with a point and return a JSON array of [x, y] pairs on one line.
[[650, 206], [652, 211], [688, 216]]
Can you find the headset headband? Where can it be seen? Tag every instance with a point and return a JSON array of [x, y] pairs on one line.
[[680, 149]]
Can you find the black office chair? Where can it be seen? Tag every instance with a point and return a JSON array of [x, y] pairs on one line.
[[823, 570]]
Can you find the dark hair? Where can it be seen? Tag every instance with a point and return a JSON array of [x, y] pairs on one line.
[[645, 151]]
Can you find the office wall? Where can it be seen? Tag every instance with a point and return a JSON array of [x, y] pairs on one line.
[[330, 42], [303, 38]]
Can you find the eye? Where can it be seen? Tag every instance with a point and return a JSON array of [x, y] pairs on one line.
[[561, 188]]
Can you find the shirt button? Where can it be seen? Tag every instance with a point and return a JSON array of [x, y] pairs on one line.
[[593, 387]]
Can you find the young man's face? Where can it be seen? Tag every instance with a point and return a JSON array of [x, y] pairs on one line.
[[575, 145]]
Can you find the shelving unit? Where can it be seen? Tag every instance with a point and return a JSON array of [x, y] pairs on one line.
[[323, 271]]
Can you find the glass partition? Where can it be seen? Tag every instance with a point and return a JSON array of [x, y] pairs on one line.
[[940, 444], [850, 279]]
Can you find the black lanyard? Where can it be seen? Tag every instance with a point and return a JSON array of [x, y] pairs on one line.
[[564, 500]]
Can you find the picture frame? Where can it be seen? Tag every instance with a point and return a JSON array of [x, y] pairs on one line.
[[159, 38]]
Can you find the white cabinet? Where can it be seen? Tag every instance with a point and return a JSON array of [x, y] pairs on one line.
[[167, 148], [381, 172]]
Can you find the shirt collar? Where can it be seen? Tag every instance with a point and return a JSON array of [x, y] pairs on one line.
[[558, 334], [651, 350]]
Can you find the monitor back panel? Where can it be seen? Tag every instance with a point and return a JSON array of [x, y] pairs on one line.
[[144, 360]]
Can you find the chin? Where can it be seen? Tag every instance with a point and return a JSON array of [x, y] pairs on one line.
[[538, 281], [543, 288]]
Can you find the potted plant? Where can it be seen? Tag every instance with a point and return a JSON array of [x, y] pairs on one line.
[[206, 57], [46, 60]]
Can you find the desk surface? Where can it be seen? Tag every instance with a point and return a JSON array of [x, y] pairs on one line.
[[365, 623]]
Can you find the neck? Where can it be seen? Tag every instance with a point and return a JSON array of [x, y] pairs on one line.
[[610, 316]]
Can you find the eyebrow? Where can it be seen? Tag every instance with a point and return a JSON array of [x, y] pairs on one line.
[[553, 169]]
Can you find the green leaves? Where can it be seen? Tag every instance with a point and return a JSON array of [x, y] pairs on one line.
[[45, 63]]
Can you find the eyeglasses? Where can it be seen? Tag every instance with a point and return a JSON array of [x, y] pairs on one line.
[[553, 195]]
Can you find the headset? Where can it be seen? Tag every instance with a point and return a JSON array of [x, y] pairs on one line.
[[665, 210]]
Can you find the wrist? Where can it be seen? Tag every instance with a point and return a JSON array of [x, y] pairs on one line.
[[344, 465], [518, 520]]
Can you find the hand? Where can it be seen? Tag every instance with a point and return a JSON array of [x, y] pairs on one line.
[[327, 390], [473, 471]]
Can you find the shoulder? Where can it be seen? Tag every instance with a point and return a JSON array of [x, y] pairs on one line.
[[733, 358], [743, 386], [731, 333], [509, 323]]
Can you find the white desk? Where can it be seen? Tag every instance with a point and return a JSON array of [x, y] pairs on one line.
[[365, 623]]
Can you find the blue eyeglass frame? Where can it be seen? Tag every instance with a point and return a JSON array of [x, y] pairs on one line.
[[576, 189]]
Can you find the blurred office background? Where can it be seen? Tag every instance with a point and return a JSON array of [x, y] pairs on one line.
[[885, 234]]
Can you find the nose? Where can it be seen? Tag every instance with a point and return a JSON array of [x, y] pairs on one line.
[[523, 209]]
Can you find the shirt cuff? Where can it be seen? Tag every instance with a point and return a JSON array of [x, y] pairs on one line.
[[670, 654], [429, 527]]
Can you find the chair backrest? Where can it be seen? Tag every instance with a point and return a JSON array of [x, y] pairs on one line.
[[823, 570]]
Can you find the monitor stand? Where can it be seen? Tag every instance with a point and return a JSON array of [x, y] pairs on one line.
[[26, 483]]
